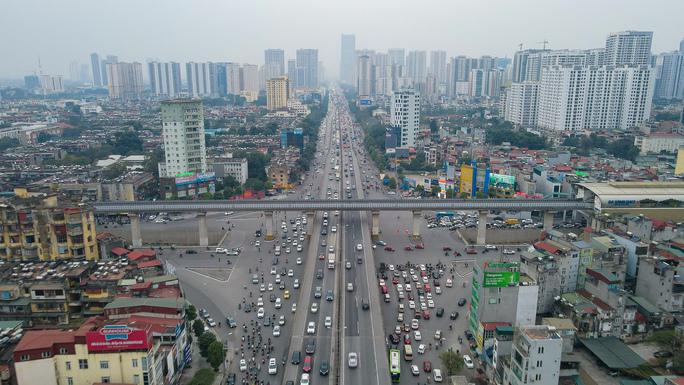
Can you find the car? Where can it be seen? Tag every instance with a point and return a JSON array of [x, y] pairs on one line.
[[260, 312], [220, 250], [438, 334], [353, 360], [438, 290], [348, 265], [314, 308], [411, 304], [305, 379], [508, 251], [267, 321], [211, 322], [299, 261], [417, 336], [437, 375], [231, 379], [365, 305], [414, 324], [272, 297], [431, 303], [274, 271], [290, 273], [270, 287], [449, 282], [329, 295], [308, 364], [427, 366], [286, 294], [425, 314], [490, 247], [381, 243], [408, 248], [230, 321], [389, 248], [333, 229], [295, 284], [331, 249], [421, 349], [262, 288], [440, 312], [324, 368], [446, 248], [471, 250], [319, 274], [276, 331], [294, 307], [462, 302], [310, 347], [419, 246], [272, 366], [296, 357], [468, 361], [318, 292], [662, 354], [453, 315], [281, 320], [328, 322], [350, 286], [400, 317], [407, 339], [243, 365], [191, 252], [397, 330], [359, 247]]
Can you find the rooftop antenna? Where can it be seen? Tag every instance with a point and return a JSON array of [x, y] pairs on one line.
[[544, 43]]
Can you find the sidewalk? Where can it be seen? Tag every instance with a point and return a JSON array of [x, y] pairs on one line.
[[198, 362]]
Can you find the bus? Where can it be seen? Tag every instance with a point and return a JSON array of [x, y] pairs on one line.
[[394, 365], [408, 353]]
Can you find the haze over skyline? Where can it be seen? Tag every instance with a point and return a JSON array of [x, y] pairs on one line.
[[205, 30]]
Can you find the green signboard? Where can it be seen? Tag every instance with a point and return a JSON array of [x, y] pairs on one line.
[[501, 179], [501, 278]]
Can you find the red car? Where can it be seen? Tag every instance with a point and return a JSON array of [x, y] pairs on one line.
[[407, 339], [427, 366], [321, 257], [471, 250], [383, 289], [408, 248], [428, 288], [388, 248], [308, 364], [395, 280], [420, 246], [426, 314]]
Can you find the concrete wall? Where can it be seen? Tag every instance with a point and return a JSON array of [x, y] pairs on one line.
[[176, 236], [503, 236]]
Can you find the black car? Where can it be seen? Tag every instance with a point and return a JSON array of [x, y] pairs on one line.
[[364, 305], [267, 321], [453, 315], [394, 338], [248, 308], [468, 334], [257, 233], [440, 312], [435, 275], [296, 357], [324, 368], [436, 283], [461, 302], [329, 295], [231, 379], [311, 347], [231, 322], [191, 252], [324, 232], [272, 297], [319, 274], [662, 354]]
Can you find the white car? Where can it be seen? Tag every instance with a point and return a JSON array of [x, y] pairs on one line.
[[220, 250], [276, 331], [260, 301], [508, 251], [468, 361], [449, 282], [414, 370], [299, 261], [408, 287], [296, 284], [274, 271], [328, 322], [417, 336], [431, 303], [262, 288], [359, 247], [243, 365], [391, 267], [272, 366], [281, 320], [438, 290], [314, 308], [211, 322], [437, 375], [333, 229], [300, 249], [350, 286], [414, 324], [260, 312], [287, 250], [294, 307], [412, 305], [311, 328], [305, 379], [270, 287], [290, 273], [421, 349], [353, 360], [490, 247]]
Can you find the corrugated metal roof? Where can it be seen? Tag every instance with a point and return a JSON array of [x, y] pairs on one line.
[[613, 353]]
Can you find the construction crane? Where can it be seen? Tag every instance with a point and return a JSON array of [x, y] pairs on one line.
[[544, 43], [520, 46]]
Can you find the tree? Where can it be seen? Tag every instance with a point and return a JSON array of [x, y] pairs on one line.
[[203, 377], [204, 341], [216, 355], [255, 184], [434, 127], [71, 133], [667, 339], [151, 164], [114, 171], [198, 328], [191, 312], [127, 142], [434, 190], [451, 362], [623, 148], [392, 183], [44, 137]]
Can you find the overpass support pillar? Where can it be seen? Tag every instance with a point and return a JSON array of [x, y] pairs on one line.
[[203, 234], [375, 225], [482, 227], [268, 215], [136, 235], [416, 223], [310, 222], [548, 220]]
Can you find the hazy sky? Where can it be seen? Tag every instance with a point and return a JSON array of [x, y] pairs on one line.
[[59, 31]]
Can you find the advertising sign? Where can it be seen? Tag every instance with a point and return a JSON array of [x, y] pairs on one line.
[[501, 278], [501, 179], [117, 337], [365, 102]]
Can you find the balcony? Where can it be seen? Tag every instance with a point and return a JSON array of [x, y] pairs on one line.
[[74, 220]]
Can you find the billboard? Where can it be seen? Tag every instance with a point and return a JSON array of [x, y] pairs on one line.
[[116, 338], [501, 278], [365, 102], [501, 179]]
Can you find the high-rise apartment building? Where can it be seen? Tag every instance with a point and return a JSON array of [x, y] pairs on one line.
[[575, 98], [520, 105], [234, 85], [292, 73], [669, 68], [200, 78], [307, 68], [50, 84], [363, 76], [416, 65], [183, 131], [96, 68], [397, 56], [628, 47], [110, 59], [125, 81], [535, 356], [274, 63], [347, 58], [165, 79], [438, 66], [249, 82], [485, 83], [74, 74], [405, 116], [277, 92]]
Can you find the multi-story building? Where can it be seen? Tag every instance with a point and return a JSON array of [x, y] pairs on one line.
[[628, 47], [110, 59], [543, 269], [438, 66], [405, 114], [235, 167], [233, 83], [363, 77], [397, 56], [669, 75], [347, 58], [657, 142], [416, 65], [165, 79], [50, 84], [485, 83], [535, 356], [45, 227], [573, 98], [277, 92], [520, 106], [202, 77], [249, 82], [307, 69], [274, 63], [96, 69], [661, 281], [125, 81], [183, 131]]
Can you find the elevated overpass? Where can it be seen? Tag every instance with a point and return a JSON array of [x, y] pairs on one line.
[[483, 206]]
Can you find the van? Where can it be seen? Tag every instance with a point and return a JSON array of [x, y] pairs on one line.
[[387, 297], [277, 250], [278, 303], [255, 278], [408, 353]]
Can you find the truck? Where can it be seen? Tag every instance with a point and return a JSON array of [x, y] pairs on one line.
[[331, 261], [512, 221]]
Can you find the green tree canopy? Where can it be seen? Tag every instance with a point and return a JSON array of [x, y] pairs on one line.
[[216, 355], [6, 143], [204, 341], [191, 312], [451, 362], [198, 327]]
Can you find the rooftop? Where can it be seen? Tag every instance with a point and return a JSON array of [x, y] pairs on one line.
[[540, 332], [645, 189], [613, 353]]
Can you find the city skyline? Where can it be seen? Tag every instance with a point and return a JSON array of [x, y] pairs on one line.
[[52, 29]]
